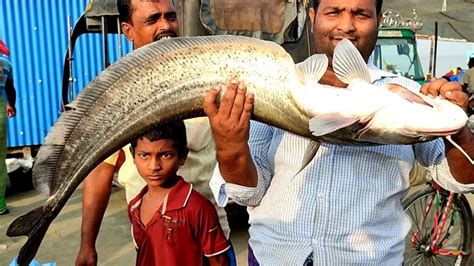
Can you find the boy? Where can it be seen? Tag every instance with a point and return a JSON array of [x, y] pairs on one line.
[[171, 223]]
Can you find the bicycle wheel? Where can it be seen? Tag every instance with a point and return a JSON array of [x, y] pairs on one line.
[[425, 209]]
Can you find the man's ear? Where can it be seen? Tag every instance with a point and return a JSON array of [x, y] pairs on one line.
[[127, 30], [379, 19]]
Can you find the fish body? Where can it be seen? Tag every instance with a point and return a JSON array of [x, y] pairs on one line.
[[168, 80]]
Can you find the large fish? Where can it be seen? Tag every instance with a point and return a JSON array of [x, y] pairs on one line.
[[168, 80]]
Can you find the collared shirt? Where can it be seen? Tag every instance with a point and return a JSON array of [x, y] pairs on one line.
[[344, 207], [197, 170], [183, 230]]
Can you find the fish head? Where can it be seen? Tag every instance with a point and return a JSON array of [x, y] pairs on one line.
[[413, 122]]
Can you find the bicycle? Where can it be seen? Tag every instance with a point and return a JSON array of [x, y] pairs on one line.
[[441, 232]]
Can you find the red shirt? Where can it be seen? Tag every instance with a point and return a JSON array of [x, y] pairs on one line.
[[183, 230]]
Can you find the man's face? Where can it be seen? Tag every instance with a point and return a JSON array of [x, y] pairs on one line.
[[150, 21], [335, 20]]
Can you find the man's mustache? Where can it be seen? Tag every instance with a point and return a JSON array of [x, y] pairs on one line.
[[162, 34]]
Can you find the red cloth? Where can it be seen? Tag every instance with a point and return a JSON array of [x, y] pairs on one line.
[[187, 231], [3, 48]]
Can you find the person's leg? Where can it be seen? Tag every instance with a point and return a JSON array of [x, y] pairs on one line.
[[3, 154]]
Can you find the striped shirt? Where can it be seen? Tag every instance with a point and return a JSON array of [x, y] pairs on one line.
[[344, 207]]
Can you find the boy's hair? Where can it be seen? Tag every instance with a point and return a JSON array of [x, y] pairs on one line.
[[175, 131], [378, 6], [470, 64]]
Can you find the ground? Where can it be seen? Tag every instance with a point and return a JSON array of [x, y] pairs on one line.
[[114, 244]]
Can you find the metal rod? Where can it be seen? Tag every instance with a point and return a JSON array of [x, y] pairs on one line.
[[183, 20], [104, 42], [435, 48], [119, 41], [71, 78]]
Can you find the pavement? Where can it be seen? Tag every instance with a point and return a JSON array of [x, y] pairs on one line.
[[114, 244]]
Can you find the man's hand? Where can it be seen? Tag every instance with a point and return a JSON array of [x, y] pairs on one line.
[[11, 111], [95, 196], [461, 169], [230, 124], [87, 256], [451, 91]]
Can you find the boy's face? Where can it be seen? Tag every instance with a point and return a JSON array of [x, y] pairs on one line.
[[157, 161]]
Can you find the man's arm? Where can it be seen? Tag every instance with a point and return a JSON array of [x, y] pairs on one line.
[[11, 98], [230, 123], [460, 167], [96, 194]]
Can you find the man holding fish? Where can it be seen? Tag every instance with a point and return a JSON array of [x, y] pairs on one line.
[[343, 207], [144, 22]]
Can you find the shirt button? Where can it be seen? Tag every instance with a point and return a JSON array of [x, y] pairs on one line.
[[315, 242], [320, 195]]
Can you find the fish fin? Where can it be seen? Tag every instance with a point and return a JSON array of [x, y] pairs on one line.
[[26, 225], [314, 66], [471, 160], [348, 63], [328, 123], [309, 153], [408, 94]]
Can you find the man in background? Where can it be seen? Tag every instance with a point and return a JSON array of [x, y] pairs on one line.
[[7, 109]]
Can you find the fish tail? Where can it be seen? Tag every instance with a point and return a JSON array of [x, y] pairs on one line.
[[25, 225]]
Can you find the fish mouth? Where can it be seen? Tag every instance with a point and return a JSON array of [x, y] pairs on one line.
[[165, 35]]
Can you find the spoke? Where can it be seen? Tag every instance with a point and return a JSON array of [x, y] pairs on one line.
[[428, 226], [438, 259], [416, 258], [413, 210], [414, 252]]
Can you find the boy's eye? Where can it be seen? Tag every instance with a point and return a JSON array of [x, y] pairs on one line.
[[166, 155], [143, 155]]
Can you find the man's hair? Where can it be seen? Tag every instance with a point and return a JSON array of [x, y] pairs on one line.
[[175, 131], [125, 10], [378, 7], [470, 64]]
